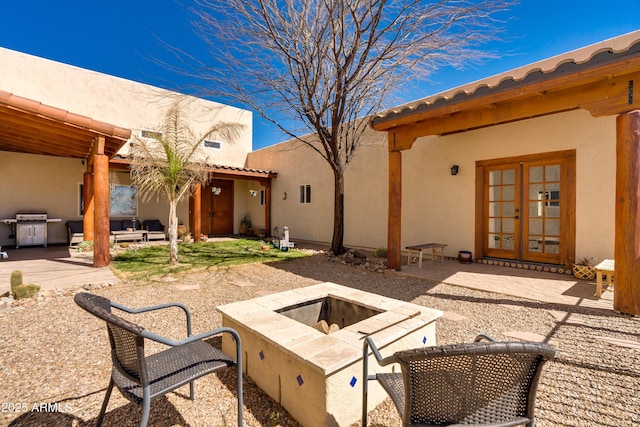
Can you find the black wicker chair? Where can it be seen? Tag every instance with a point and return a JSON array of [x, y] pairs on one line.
[[480, 383], [142, 378]]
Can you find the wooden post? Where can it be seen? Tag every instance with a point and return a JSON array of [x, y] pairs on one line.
[[626, 296], [267, 208], [196, 208], [394, 256], [101, 255], [87, 213]]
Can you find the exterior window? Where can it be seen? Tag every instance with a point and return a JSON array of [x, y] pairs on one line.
[[305, 193], [150, 134], [262, 197], [216, 145], [80, 199]]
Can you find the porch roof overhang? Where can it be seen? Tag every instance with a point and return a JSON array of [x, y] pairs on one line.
[[28, 126], [215, 171], [603, 78]]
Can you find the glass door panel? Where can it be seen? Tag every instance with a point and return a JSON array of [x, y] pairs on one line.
[[542, 226], [502, 212], [528, 210]]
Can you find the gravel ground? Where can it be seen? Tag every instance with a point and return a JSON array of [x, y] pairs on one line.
[[55, 364]]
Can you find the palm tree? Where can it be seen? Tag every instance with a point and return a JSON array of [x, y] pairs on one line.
[[170, 164]]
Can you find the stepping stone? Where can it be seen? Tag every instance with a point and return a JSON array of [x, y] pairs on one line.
[[620, 342], [187, 287], [566, 317], [452, 315], [242, 283], [165, 278], [512, 306]]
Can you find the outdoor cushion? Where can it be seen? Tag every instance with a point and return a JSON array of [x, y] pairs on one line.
[[127, 223], [154, 225], [75, 226], [115, 225]]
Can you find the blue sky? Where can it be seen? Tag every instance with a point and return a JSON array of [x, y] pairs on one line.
[[120, 37]]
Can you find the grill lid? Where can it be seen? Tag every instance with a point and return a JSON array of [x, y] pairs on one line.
[[31, 216]]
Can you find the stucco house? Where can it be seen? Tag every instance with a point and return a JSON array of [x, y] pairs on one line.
[[537, 165], [64, 145], [547, 156]]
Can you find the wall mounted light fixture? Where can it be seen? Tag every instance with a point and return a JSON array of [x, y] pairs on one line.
[[253, 193], [455, 169], [216, 190]]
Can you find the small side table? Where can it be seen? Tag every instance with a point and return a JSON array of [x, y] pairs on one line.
[[606, 267]]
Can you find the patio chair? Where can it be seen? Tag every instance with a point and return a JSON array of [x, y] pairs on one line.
[[142, 378], [480, 383]]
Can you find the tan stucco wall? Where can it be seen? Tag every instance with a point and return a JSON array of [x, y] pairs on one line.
[[118, 101], [365, 192], [443, 209], [50, 184], [436, 205], [33, 183]]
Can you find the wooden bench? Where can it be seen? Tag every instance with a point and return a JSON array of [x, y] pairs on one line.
[[437, 249]]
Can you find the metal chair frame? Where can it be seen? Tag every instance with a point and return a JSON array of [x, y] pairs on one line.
[[143, 378]]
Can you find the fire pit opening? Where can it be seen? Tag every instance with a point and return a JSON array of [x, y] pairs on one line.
[[328, 314]]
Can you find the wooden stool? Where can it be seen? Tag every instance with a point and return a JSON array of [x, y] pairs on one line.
[[605, 267]]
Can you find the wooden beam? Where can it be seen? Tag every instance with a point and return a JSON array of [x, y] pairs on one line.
[[267, 208], [101, 256], [88, 223], [195, 203], [394, 228], [626, 295], [403, 138], [98, 145], [604, 97]]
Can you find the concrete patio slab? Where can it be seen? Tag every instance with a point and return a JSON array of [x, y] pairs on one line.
[[535, 285], [56, 267]]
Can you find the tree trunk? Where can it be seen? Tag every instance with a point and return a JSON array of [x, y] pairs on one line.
[[337, 243], [173, 232]]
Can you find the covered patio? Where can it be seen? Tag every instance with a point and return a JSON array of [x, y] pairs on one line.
[[31, 127], [601, 79]]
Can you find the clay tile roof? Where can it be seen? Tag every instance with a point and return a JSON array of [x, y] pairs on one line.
[[236, 171], [59, 132], [537, 70], [244, 170], [35, 107]]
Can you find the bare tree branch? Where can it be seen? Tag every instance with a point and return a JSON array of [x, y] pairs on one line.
[[321, 66]]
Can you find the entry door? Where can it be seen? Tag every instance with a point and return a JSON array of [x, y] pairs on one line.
[[217, 208], [502, 211], [528, 210]]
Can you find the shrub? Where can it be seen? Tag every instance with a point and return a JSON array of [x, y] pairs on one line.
[[381, 252], [26, 291], [86, 245], [16, 280], [19, 290]]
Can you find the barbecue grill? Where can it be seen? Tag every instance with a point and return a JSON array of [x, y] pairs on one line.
[[30, 228]]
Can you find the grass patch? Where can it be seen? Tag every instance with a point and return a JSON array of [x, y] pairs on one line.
[[153, 261]]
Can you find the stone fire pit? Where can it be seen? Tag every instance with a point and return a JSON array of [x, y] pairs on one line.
[[317, 376]]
